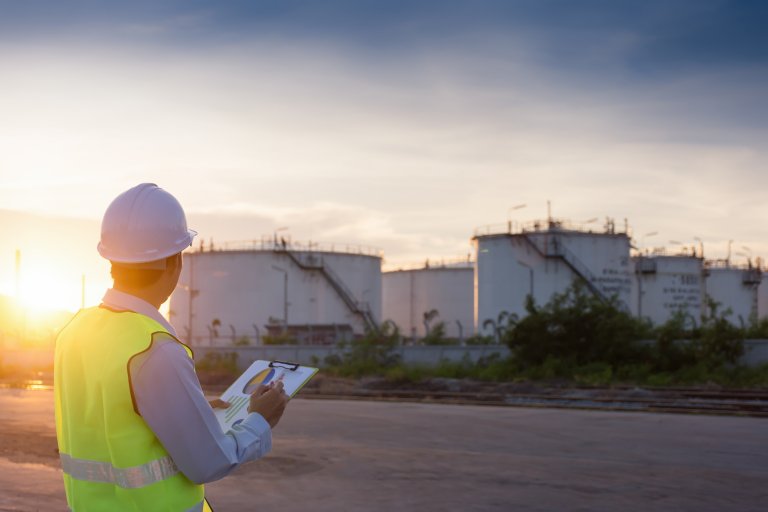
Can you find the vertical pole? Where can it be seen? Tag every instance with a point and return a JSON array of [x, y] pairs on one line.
[[530, 270], [412, 306], [639, 277], [190, 314], [285, 302]]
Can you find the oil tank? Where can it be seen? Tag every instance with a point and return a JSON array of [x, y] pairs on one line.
[[419, 298], [735, 288], [762, 297], [243, 291], [664, 284], [541, 259]]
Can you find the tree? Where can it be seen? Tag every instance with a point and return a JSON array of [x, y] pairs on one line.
[[428, 317], [577, 328]]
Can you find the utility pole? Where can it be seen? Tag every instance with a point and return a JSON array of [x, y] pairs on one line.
[[285, 297], [530, 277], [549, 213], [192, 293]]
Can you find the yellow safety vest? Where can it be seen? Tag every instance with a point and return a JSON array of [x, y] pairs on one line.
[[111, 459]]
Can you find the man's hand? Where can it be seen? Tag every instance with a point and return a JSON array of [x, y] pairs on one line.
[[270, 402]]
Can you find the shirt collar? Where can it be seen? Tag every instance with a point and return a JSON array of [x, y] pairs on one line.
[[124, 301]]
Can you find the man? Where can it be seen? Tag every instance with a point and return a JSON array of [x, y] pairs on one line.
[[135, 431]]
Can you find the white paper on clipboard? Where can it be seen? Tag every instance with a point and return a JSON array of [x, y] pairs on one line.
[[238, 395]]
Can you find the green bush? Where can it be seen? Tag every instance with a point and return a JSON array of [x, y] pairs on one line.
[[436, 336], [593, 374], [242, 341], [578, 338], [279, 339], [370, 355], [478, 339], [577, 328], [757, 329]]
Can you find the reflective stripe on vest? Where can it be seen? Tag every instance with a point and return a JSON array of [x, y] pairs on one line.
[[203, 506], [127, 478]]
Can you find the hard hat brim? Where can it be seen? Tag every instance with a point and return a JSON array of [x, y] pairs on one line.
[[147, 256]]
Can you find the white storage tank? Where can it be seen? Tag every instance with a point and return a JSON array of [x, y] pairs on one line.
[[762, 297], [544, 258], [446, 289], [317, 294], [735, 288], [664, 284]]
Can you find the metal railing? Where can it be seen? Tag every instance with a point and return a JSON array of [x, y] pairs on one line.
[[428, 264], [537, 226], [683, 252], [728, 264], [271, 243]]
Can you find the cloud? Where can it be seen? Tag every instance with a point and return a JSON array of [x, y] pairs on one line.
[[258, 117]]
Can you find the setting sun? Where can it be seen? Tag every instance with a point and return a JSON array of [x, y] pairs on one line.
[[42, 289], [42, 284]]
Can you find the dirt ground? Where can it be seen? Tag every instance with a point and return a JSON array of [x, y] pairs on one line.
[[331, 455]]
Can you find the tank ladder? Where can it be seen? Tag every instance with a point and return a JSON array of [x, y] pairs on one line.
[[315, 263]]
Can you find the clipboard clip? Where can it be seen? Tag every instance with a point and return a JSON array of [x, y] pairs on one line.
[[282, 364]]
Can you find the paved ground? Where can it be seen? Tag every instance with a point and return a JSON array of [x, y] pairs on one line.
[[373, 456]]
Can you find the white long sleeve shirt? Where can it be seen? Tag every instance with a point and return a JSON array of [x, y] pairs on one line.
[[169, 398]]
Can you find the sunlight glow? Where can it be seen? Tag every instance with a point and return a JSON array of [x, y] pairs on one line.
[[41, 290]]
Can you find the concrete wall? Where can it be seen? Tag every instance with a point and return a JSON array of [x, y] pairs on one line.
[[408, 294], [303, 354], [756, 353]]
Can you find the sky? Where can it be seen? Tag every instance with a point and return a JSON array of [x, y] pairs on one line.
[[399, 125]]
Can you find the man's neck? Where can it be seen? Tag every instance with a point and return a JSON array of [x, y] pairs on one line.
[[149, 295]]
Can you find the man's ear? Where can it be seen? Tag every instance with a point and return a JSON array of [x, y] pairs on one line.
[[174, 261]]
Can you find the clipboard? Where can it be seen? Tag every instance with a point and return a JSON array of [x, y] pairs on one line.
[[293, 376]]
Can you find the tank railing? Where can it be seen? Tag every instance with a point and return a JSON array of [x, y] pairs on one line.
[[683, 252], [645, 265], [538, 226], [752, 276], [725, 263], [270, 243], [434, 264]]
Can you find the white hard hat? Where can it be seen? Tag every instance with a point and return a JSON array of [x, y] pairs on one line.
[[144, 223]]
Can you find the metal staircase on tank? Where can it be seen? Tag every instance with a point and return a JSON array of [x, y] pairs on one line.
[[552, 246], [316, 263]]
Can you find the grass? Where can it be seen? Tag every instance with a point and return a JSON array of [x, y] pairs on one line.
[[556, 371]]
